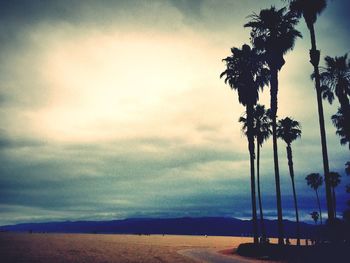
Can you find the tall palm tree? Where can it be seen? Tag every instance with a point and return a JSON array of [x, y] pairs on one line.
[[310, 9], [274, 34], [262, 131], [289, 130], [314, 180], [334, 179], [246, 73]]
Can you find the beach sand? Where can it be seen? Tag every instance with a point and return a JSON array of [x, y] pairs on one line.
[[40, 247]]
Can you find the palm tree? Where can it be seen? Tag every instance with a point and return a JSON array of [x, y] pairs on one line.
[[334, 179], [262, 132], [246, 73], [289, 130], [315, 215], [310, 9], [273, 34], [314, 180]]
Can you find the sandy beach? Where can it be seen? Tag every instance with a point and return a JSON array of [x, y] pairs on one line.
[[40, 247]]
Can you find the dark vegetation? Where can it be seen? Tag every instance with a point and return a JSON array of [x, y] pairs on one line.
[[320, 252], [249, 69]]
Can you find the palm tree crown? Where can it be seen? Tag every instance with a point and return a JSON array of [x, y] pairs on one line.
[[262, 123], [310, 9], [273, 33], [314, 215], [288, 130], [314, 180], [335, 77], [246, 73]]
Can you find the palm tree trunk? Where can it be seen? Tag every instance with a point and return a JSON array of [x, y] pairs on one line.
[[319, 206], [252, 170], [315, 59], [335, 203], [262, 224], [343, 101], [273, 92], [291, 171]]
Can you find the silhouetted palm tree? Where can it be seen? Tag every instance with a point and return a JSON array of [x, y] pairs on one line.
[[310, 9], [262, 131], [315, 216], [314, 180], [334, 179], [246, 73], [289, 130], [273, 34]]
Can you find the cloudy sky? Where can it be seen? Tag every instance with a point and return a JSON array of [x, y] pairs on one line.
[[115, 109]]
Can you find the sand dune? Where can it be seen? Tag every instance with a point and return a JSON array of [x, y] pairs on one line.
[[25, 247]]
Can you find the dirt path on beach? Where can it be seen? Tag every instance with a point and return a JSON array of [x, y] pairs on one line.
[[209, 255]]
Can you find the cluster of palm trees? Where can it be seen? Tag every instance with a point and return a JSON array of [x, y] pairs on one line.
[[315, 181], [250, 68], [261, 131], [288, 130]]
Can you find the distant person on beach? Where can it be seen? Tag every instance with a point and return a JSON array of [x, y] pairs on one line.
[[287, 241]]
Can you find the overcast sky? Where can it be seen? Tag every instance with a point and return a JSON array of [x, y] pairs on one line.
[[115, 109]]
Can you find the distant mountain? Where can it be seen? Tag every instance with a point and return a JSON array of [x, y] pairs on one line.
[[211, 226]]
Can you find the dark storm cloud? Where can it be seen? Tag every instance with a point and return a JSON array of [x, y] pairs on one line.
[[93, 179], [338, 11], [22, 13], [19, 14], [6, 142], [104, 177], [191, 9]]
